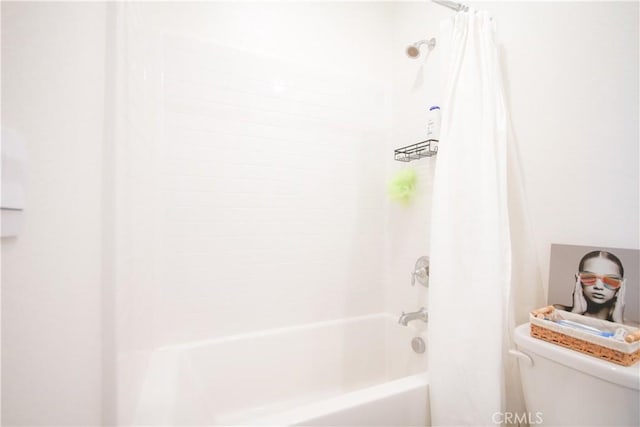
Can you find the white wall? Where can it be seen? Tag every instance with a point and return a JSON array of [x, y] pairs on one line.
[[572, 79], [575, 100], [53, 94]]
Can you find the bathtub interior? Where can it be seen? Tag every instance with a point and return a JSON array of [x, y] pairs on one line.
[[231, 379]]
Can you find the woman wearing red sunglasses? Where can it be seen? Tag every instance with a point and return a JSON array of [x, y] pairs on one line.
[[599, 288]]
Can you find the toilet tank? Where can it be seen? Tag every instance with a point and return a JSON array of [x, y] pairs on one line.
[[569, 388]]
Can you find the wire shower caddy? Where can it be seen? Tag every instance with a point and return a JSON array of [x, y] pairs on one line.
[[427, 148]]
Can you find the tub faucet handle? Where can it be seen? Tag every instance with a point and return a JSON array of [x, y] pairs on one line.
[[421, 272]]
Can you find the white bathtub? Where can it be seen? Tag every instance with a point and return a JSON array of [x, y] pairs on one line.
[[356, 371]]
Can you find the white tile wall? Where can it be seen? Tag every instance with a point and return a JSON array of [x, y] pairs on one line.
[[250, 192], [268, 215]]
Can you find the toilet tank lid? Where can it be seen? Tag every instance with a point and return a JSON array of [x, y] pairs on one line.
[[626, 376]]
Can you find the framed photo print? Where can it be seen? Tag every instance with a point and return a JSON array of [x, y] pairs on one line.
[[596, 282]]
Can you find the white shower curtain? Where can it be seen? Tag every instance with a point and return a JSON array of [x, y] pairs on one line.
[[471, 312]]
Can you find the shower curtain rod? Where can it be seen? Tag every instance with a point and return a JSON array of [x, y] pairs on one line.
[[458, 7]]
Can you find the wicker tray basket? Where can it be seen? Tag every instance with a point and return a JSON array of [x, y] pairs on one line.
[[623, 352]]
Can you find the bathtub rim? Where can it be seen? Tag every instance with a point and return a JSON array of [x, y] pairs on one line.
[[351, 400], [189, 345]]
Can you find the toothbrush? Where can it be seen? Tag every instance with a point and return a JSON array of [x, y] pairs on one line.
[[584, 328]]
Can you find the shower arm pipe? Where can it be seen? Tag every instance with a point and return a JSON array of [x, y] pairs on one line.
[[458, 7]]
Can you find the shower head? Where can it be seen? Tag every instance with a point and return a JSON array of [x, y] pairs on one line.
[[413, 51]]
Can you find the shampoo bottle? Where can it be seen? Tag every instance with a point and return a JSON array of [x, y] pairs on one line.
[[433, 127]]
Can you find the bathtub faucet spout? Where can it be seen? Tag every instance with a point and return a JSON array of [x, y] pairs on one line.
[[421, 314]]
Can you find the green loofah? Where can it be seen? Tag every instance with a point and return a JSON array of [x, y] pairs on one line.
[[403, 186]]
